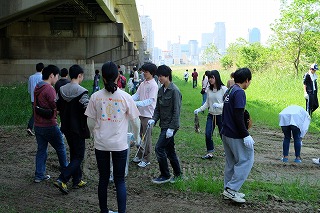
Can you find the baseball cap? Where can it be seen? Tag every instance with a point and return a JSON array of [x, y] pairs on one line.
[[314, 66]]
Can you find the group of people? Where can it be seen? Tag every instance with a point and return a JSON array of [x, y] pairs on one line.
[[104, 115], [194, 76]]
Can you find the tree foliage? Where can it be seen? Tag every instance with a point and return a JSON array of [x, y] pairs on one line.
[[210, 54]]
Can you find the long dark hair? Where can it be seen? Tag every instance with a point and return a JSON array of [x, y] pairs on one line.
[[110, 73], [218, 82]]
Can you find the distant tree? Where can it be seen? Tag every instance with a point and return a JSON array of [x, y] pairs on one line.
[[210, 54], [297, 32], [226, 62]]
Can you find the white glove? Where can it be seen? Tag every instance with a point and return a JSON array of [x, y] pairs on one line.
[[196, 111], [169, 133], [248, 142], [215, 105], [151, 122], [306, 96]]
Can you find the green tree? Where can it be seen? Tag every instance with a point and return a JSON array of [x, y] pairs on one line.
[[210, 54], [296, 32]]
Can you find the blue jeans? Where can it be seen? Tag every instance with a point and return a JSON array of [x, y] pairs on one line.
[[204, 98], [31, 120], [165, 149], [296, 138], [52, 135], [212, 122], [76, 148], [119, 159]]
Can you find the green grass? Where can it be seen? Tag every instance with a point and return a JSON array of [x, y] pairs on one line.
[[268, 94]]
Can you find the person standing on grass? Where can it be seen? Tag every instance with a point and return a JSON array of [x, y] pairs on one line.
[[96, 80], [32, 82], [168, 112], [237, 142], [310, 89], [186, 76], [214, 102], [294, 120], [145, 99], [71, 104], [194, 78], [109, 111], [63, 80], [46, 129], [205, 86]]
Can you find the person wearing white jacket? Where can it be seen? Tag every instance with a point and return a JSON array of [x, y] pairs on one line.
[[214, 102]]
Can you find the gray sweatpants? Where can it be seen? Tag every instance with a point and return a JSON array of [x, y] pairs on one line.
[[239, 161]]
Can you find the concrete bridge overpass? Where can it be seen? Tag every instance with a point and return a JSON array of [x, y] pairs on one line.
[[66, 32]]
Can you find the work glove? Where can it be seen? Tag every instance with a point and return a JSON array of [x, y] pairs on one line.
[[248, 142], [306, 96], [196, 111], [215, 105], [151, 122], [169, 133]]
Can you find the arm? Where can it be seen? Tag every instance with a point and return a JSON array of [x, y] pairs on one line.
[[239, 121], [144, 103], [176, 99], [136, 129]]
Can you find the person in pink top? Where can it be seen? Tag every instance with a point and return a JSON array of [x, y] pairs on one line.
[[109, 111], [146, 99]]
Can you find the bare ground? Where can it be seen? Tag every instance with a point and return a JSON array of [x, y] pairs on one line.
[[18, 193]]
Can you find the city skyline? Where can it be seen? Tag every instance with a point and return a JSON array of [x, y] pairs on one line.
[[184, 21]]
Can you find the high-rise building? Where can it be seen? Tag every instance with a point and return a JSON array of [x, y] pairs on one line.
[[254, 35], [193, 50], [147, 35], [219, 37], [206, 39]]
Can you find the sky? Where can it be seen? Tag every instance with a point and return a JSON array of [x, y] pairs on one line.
[[188, 19]]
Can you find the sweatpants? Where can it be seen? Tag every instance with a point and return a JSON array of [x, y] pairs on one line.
[[239, 161]]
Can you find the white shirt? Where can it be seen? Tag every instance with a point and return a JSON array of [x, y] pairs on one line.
[[296, 116], [111, 113], [214, 96]]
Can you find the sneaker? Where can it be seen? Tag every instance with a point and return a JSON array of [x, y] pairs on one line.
[[285, 160], [297, 160], [112, 211], [143, 164], [239, 193], [46, 177], [79, 185], [316, 161], [30, 133], [160, 180], [61, 186], [207, 156], [136, 159], [233, 195]]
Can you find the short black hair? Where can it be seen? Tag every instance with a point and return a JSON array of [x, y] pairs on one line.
[[242, 74], [74, 71], [48, 70], [150, 67], [164, 70], [39, 67], [64, 72], [96, 71], [110, 73]]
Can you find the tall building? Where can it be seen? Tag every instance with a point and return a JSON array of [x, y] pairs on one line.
[[147, 35], [254, 35], [193, 51], [206, 39], [219, 37], [176, 53]]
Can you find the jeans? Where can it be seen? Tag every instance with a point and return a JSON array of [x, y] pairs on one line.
[[52, 135], [165, 149], [204, 98], [119, 159], [296, 138], [31, 120], [76, 148], [135, 87], [195, 83], [212, 121]]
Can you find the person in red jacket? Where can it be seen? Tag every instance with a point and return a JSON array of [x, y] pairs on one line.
[[194, 78]]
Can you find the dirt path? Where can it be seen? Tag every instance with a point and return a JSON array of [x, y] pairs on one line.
[[18, 193]]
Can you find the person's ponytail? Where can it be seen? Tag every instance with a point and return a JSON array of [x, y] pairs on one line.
[[110, 74]]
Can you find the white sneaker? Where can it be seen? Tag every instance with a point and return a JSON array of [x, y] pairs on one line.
[[112, 211], [315, 161], [233, 195], [143, 164], [136, 159], [239, 193]]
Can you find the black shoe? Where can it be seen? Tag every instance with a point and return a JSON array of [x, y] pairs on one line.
[[207, 156]]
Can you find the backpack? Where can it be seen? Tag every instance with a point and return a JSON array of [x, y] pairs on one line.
[[123, 82]]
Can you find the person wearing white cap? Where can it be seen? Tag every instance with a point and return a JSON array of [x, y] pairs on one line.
[[310, 89]]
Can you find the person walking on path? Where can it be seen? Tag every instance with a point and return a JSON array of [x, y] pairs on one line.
[[46, 128], [310, 89], [214, 102], [63, 80], [109, 111], [205, 86], [237, 142], [294, 120], [32, 82], [71, 104], [186, 76], [194, 78], [168, 112], [146, 99]]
